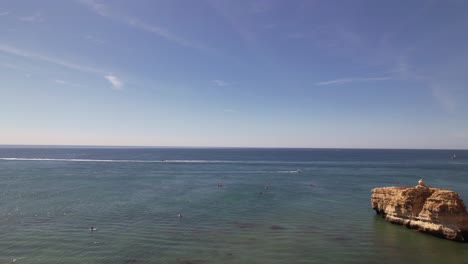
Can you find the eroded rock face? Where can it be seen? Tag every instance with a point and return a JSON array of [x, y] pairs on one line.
[[431, 210]]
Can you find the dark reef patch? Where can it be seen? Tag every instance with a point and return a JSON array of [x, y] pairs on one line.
[[133, 261], [277, 227], [191, 261], [245, 224]]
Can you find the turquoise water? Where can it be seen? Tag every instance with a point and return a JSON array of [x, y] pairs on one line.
[[237, 205]]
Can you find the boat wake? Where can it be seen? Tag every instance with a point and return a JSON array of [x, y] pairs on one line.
[[157, 161]]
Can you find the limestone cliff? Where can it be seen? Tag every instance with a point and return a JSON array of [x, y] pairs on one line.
[[431, 210]]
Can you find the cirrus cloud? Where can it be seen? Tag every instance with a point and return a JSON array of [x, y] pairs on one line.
[[117, 84], [219, 83], [349, 80]]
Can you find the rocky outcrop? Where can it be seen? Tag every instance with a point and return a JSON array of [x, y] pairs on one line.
[[431, 210]]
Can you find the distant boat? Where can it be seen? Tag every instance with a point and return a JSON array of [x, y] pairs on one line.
[[454, 156]]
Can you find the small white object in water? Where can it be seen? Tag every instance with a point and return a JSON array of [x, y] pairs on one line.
[[179, 215]]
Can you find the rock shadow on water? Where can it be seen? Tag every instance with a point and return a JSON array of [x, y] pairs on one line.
[[277, 227]]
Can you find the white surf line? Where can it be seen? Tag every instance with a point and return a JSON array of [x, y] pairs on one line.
[[159, 161]]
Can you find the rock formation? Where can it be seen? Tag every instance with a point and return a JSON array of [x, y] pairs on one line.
[[431, 210]]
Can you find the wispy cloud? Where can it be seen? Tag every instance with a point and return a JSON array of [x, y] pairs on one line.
[[296, 35], [94, 39], [230, 111], [105, 11], [332, 38], [33, 19], [161, 32], [350, 80], [4, 13], [445, 97], [27, 73], [30, 55], [260, 6], [97, 7], [14, 67], [460, 134], [219, 83], [67, 83], [239, 20], [115, 82]]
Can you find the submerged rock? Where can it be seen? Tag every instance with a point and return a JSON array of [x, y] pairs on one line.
[[277, 227], [190, 261], [245, 224], [430, 210]]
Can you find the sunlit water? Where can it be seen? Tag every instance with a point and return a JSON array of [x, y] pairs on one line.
[[237, 205]]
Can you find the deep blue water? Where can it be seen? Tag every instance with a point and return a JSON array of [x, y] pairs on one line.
[[237, 205]]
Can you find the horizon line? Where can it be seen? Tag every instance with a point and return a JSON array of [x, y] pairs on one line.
[[213, 147]]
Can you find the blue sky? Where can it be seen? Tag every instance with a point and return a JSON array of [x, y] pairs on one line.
[[344, 74]]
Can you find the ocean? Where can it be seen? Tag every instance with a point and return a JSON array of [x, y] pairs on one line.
[[216, 205]]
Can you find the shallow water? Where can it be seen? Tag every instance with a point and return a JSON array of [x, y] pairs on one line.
[[237, 205]]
